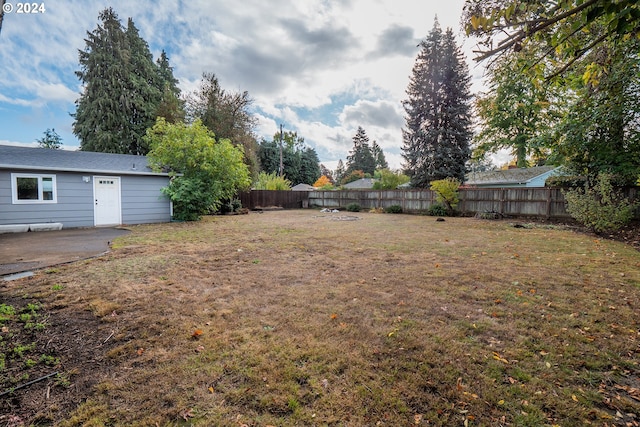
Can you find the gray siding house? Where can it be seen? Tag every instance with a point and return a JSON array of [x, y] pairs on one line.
[[41, 186]]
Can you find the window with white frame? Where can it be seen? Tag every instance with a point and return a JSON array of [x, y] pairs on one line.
[[33, 188]]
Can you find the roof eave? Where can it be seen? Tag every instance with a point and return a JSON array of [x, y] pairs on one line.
[[100, 171]]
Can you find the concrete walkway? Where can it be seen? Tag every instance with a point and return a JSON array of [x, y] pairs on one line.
[[21, 252]]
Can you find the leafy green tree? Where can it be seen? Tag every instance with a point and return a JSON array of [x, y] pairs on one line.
[[361, 157], [600, 131], [567, 29], [227, 114], [447, 193], [50, 140], [438, 112], [378, 156], [121, 89], [205, 171], [389, 180], [300, 162], [514, 114]]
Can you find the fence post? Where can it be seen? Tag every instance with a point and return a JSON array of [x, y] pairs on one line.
[[548, 203]]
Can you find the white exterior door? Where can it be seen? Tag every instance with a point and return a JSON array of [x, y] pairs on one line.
[[106, 195]]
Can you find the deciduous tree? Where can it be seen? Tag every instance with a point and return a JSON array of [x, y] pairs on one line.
[[227, 115], [205, 171], [568, 29], [515, 113]]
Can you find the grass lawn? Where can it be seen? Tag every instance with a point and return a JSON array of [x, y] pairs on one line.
[[297, 318]]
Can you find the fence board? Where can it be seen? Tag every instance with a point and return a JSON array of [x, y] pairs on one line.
[[538, 202]]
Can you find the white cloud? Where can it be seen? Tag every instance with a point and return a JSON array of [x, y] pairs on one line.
[[321, 68]]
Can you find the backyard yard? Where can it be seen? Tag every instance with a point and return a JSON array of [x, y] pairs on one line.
[[302, 318]]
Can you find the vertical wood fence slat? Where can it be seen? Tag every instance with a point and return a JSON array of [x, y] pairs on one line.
[[536, 202]]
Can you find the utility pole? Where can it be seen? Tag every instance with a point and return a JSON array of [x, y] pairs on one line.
[[281, 165]]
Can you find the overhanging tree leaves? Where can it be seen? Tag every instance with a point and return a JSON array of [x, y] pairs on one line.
[[438, 112], [569, 29], [204, 171], [600, 132]]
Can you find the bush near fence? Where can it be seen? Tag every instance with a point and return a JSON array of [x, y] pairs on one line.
[[534, 202]]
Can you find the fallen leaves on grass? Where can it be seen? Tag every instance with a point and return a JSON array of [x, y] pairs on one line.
[[497, 356]]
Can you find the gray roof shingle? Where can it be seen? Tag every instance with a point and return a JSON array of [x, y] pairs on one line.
[[28, 158], [507, 176]]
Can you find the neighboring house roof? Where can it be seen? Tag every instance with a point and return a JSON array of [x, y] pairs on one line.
[[28, 158], [303, 187], [510, 177], [362, 183]]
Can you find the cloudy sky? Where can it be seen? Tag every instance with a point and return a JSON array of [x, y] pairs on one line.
[[319, 67]]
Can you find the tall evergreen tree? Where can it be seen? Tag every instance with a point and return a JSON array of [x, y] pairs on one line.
[[360, 157], [438, 112], [340, 171], [378, 155], [171, 107], [300, 162], [144, 90], [121, 89]]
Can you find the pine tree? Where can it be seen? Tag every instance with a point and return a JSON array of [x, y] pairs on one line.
[[145, 90], [340, 171], [51, 140], [438, 120], [378, 155], [361, 158], [171, 107], [121, 89]]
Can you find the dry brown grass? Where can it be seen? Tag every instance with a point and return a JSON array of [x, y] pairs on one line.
[[295, 319]]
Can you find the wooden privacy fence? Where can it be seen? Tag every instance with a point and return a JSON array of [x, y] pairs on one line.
[[537, 202], [286, 199], [541, 202]]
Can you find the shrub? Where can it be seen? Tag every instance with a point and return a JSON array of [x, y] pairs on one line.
[[600, 207], [394, 209], [353, 207], [446, 193], [233, 205], [437, 210], [271, 181]]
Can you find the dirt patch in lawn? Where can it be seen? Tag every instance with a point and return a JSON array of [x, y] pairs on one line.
[[292, 318]]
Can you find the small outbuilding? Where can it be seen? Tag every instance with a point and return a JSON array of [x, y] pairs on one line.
[[50, 189], [511, 178]]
